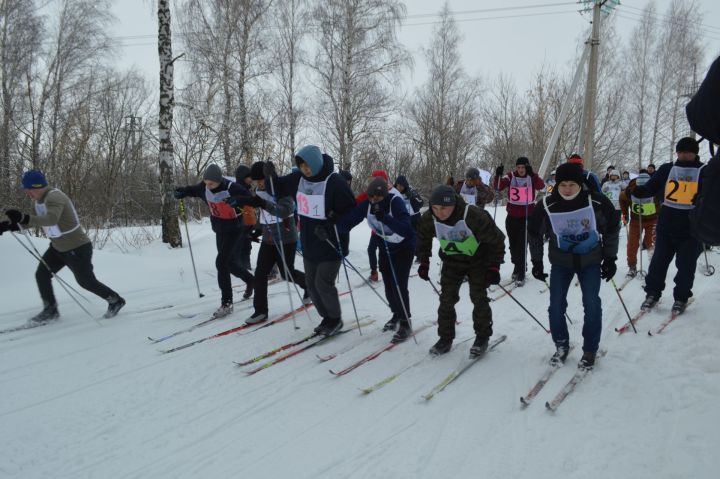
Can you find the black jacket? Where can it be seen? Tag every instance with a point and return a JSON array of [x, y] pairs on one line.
[[339, 199], [220, 225], [398, 222], [607, 220], [671, 221]]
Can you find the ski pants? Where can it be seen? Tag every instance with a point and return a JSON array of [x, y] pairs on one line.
[[686, 251], [79, 261], [516, 233], [320, 281], [269, 256], [560, 279], [402, 260], [243, 249], [634, 233], [224, 262], [451, 278], [372, 248]]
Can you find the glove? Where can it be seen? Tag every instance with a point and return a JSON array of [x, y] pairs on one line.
[[269, 169], [608, 269], [322, 233], [424, 271], [499, 171], [624, 220], [492, 276], [529, 170], [180, 192], [377, 210], [255, 235], [16, 217], [538, 271], [8, 226], [253, 200]]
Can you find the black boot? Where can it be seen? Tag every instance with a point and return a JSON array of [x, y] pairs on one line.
[[329, 326], [115, 304], [249, 286], [391, 325], [49, 313], [650, 302], [561, 354], [587, 361], [479, 347], [442, 346], [678, 307], [403, 333]]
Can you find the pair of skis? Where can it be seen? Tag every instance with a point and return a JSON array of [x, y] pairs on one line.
[[672, 317]]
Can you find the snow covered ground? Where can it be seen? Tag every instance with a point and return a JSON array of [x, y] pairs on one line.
[[95, 399]]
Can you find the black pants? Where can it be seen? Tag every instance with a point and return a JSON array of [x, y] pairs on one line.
[[243, 249], [515, 228], [226, 246], [79, 260], [402, 261], [686, 251], [451, 278], [268, 256], [373, 245]]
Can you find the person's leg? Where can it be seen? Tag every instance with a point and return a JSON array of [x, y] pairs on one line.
[[265, 262], [311, 269], [482, 314], [79, 261], [372, 257], [633, 242], [686, 258], [664, 252], [589, 278], [389, 285], [451, 277], [560, 279], [325, 276], [298, 276], [43, 277], [225, 242]]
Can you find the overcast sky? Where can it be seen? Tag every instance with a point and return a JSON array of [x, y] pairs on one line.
[[515, 37]]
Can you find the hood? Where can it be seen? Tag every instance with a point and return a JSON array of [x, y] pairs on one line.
[[401, 180]]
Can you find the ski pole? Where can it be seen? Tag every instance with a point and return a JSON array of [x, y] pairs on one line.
[[397, 285], [347, 278], [523, 307], [641, 237], [623, 305], [62, 282], [192, 257], [709, 269], [566, 315], [497, 195], [361, 276], [433, 286]]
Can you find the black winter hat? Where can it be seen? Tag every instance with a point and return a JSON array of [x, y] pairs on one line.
[[569, 172], [213, 173], [377, 187], [472, 173], [347, 176], [687, 144], [242, 172], [443, 195], [256, 171], [522, 161]]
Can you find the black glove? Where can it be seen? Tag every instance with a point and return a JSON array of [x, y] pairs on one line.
[[16, 217], [253, 200], [499, 171], [608, 269], [269, 169], [322, 233], [538, 271], [424, 271], [8, 226], [180, 192], [377, 210], [492, 276], [529, 170], [255, 235]]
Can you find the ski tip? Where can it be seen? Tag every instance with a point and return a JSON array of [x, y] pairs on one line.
[[365, 391], [549, 407], [523, 402], [333, 373], [650, 333]]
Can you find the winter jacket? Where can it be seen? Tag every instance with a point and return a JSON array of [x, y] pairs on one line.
[[671, 221], [592, 182], [626, 204], [607, 220], [219, 223], [411, 198], [396, 220], [59, 220], [519, 211], [483, 193], [339, 200], [491, 240]]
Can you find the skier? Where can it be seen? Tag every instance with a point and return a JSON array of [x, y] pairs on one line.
[[277, 223], [591, 180], [226, 224], [374, 243], [412, 199], [322, 197], [679, 181], [643, 218], [606, 178], [625, 179], [474, 191], [69, 245], [612, 188], [550, 183], [389, 219], [470, 245], [522, 185], [651, 169], [583, 226], [249, 220]]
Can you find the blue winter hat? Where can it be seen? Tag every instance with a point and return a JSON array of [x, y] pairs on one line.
[[34, 179], [311, 155]]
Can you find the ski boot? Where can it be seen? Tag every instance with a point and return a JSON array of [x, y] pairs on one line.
[[49, 313], [403, 333], [391, 325], [306, 300], [678, 307], [374, 276], [632, 272], [249, 287], [561, 354], [225, 309], [479, 347], [587, 361], [442, 346], [649, 303], [115, 304], [257, 318], [329, 327]]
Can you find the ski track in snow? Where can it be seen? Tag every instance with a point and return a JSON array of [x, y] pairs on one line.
[[82, 400]]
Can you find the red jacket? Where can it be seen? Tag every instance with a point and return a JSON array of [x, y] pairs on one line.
[[518, 211]]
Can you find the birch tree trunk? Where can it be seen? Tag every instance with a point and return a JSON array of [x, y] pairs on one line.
[[170, 224]]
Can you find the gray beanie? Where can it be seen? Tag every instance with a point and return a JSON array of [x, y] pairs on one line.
[[213, 173], [443, 195], [472, 173], [377, 187]]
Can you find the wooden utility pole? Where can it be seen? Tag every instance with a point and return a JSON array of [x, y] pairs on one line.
[[591, 88]]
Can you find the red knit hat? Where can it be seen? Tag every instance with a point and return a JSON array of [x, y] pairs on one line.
[[575, 159], [381, 174]]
